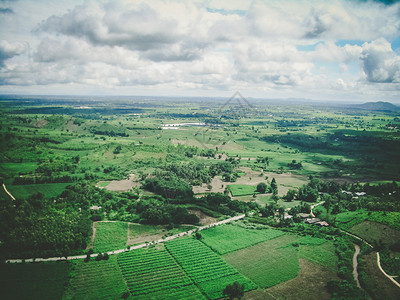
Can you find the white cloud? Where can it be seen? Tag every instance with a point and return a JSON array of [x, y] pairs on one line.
[[380, 62]]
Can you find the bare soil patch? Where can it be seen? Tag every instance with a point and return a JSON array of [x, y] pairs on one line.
[[217, 186], [204, 219], [145, 234], [121, 185], [309, 284]]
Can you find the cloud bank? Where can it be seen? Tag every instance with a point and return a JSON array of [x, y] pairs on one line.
[[313, 49]]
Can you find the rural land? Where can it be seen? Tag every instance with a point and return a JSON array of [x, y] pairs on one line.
[[198, 198]]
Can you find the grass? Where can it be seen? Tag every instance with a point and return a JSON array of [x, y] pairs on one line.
[[228, 238], [376, 232], [206, 268], [33, 281], [349, 219], [374, 282], [322, 254], [154, 274], [110, 236], [242, 189], [96, 280], [268, 263], [49, 190]]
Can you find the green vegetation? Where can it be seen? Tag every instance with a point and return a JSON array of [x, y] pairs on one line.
[[278, 256], [228, 238], [96, 280], [349, 219], [207, 269], [118, 161], [153, 273], [34, 281], [242, 189], [110, 236]]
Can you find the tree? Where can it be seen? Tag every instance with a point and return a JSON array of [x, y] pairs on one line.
[[235, 290], [290, 195], [274, 185], [261, 188]]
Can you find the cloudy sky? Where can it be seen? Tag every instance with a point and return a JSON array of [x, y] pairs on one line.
[[329, 50]]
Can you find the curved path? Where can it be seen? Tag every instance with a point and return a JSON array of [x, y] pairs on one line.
[[378, 258], [9, 194], [169, 238], [355, 264], [312, 208]]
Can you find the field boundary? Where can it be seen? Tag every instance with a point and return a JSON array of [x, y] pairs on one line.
[[169, 238]]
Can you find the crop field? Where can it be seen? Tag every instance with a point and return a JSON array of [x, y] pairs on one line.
[[33, 281], [110, 236], [206, 268], [96, 280], [154, 274], [322, 254], [278, 256], [242, 189], [228, 238]]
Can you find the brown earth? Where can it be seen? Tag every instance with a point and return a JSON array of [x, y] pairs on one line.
[[121, 185], [204, 219]]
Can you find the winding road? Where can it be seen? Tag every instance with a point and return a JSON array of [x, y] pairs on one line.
[[357, 251]]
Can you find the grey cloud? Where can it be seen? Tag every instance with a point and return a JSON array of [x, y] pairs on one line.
[[9, 50], [6, 11], [315, 26], [140, 28], [380, 63]]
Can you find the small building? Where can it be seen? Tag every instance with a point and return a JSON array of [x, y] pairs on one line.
[[95, 207], [322, 224], [312, 220]]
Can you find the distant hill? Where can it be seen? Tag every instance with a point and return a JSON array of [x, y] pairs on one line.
[[376, 106]]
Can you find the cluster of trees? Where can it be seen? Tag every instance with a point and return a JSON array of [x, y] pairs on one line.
[[39, 227], [295, 165], [168, 185]]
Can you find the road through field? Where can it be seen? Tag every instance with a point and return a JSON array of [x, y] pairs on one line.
[[169, 238]]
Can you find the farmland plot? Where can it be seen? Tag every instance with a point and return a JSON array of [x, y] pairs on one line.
[[110, 236], [154, 274], [206, 268], [228, 238], [97, 280]]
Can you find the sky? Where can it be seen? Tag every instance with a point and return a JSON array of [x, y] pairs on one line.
[[339, 50]]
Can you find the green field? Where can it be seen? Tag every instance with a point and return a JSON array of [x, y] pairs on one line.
[[242, 189], [322, 254], [154, 274], [110, 236], [96, 280], [228, 238], [206, 268], [49, 190], [268, 263], [33, 281]]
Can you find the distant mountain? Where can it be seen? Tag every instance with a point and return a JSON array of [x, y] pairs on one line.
[[376, 106]]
